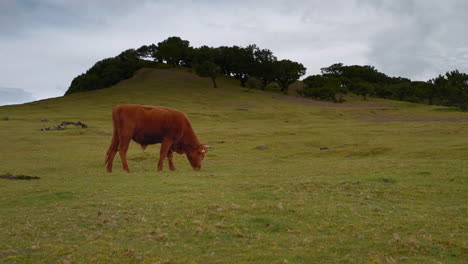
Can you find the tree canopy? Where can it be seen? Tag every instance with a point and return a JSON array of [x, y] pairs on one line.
[[450, 89], [287, 72], [107, 72], [208, 69], [173, 51]]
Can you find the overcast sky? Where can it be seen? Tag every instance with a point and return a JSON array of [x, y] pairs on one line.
[[44, 44]]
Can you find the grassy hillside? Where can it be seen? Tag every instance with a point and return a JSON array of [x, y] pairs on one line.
[[390, 188]]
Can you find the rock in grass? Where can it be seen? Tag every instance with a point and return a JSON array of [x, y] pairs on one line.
[[63, 125], [323, 148], [6, 118], [388, 180], [18, 177], [261, 147]]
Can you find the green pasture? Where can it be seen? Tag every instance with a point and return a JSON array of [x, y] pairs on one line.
[[362, 182]]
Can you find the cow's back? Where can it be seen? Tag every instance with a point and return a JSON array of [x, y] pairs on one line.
[[150, 124]]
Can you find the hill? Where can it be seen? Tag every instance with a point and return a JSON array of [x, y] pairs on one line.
[[375, 181]]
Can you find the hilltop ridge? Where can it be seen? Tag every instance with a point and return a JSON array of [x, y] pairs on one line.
[[181, 88]]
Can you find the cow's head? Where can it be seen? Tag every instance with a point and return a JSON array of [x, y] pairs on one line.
[[196, 155]]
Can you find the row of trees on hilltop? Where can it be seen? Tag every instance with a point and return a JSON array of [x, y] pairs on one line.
[[450, 89], [252, 62], [239, 62]]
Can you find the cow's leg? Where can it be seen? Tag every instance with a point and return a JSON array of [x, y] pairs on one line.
[[169, 159], [165, 147], [123, 147], [110, 160], [112, 150]]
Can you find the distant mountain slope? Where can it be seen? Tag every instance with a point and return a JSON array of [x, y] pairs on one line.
[[14, 96]]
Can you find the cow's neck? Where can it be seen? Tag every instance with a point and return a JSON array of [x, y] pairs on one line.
[[190, 139]]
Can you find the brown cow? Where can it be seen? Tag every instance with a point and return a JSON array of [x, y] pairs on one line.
[[151, 125]]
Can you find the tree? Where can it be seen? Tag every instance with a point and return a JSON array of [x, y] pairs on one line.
[[264, 66], [146, 52], [400, 88], [208, 69], [224, 57], [173, 51], [361, 80], [424, 92], [359, 87], [202, 54], [287, 72], [243, 63], [335, 70], [323, 87], [456, 87], [107, 72]]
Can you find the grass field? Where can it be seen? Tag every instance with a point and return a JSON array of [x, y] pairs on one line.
[[391, 187]]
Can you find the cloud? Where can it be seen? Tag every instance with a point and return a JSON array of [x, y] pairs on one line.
[[420, 39]]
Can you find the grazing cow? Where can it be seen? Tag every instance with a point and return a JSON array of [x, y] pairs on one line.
[[151, 125]]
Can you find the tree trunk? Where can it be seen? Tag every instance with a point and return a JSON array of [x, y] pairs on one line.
[[214, 82], [243, 81], [284, 89], [341, 100]]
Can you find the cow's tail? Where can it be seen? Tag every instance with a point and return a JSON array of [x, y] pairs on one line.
[[114, 146]]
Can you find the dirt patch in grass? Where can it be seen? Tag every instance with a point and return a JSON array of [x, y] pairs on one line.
[[369, 152], [308, 101], [391, 114], [242, 106], [379, 112], [385, 119]]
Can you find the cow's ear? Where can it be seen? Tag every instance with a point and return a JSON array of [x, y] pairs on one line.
[[203, 149]]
